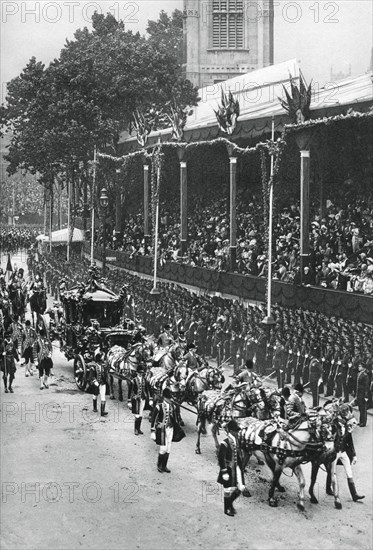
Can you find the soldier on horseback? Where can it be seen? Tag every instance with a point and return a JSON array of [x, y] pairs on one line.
[[165, 338]]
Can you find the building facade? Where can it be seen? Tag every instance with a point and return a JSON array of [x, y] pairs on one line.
[[226, 38]]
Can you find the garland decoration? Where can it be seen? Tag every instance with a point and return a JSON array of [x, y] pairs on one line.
[[156, 179]]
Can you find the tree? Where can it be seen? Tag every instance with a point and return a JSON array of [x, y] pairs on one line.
[[86, 98], [168, 32]]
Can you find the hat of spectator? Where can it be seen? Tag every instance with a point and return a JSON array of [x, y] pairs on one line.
[[299, 387]]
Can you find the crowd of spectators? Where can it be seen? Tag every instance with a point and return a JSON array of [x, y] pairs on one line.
[[341, 243]]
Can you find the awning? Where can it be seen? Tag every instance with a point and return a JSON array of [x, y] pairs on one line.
[[61, 236]]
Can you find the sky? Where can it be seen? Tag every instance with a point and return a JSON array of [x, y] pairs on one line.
[[320, 34]]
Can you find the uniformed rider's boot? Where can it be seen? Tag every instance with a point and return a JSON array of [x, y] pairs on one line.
[[160, 463], [164, 464], [351, 486], [94, 405], [103, 413]]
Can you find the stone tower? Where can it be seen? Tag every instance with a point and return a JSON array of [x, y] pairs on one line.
[[226, 38]]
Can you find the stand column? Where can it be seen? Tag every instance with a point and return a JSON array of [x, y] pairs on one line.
[[233, 221], [183, 208], [304, 210]]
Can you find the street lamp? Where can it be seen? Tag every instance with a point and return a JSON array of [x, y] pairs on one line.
[[104, 203]]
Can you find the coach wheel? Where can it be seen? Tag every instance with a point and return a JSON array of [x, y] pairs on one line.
[[80, 372]]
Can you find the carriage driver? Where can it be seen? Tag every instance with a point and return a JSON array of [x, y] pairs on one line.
[[97, 375]]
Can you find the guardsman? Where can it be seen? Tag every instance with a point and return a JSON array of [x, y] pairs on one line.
[[138, 398], [328, 368], [279, 362], [362, 388], [44, 354], [289, 359], [28, 347], [165, 338], [315, 374], [8, 358], [201, 337], [260, 357], [97, 375], [231, 470], [163, 421]]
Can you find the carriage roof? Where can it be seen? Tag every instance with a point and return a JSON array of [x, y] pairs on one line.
[[97, 295]]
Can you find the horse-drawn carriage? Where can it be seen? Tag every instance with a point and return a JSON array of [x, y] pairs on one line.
[[93, 317]]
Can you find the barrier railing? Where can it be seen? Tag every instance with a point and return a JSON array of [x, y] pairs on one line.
[[356, 307]]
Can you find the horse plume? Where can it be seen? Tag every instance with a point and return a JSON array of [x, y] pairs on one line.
[[297, 105], [227, 113]]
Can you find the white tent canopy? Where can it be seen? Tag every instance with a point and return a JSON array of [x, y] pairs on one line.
[[61, 236]]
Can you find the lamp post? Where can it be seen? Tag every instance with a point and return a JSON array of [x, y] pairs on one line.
[[104, 203]]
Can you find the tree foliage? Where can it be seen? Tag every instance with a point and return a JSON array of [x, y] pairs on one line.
[[86, 97]]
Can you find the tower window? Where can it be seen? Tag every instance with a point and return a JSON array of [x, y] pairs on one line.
[[227, 24]]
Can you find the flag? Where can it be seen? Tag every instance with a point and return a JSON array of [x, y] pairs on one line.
[[9, 269]]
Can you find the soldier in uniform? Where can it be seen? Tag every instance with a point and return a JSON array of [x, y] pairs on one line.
[[362, 387], [138, 398], [97, 375], [163, 420], [261, 347], [8, 357], [315, 375], [28, 345], [279, 362], [231, 470]]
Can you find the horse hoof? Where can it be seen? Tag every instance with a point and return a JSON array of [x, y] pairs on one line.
[[246, 492], [204, 431], [273, 502], [314, 500], [281, 489], [120, 398], [338, 505], [300, 507], [330, 492], [198, 451], [182, 423]]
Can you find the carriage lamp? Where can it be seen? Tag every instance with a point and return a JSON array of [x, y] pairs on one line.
[[104, 199]]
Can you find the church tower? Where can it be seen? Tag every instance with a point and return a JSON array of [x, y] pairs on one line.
[[226, 38]]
